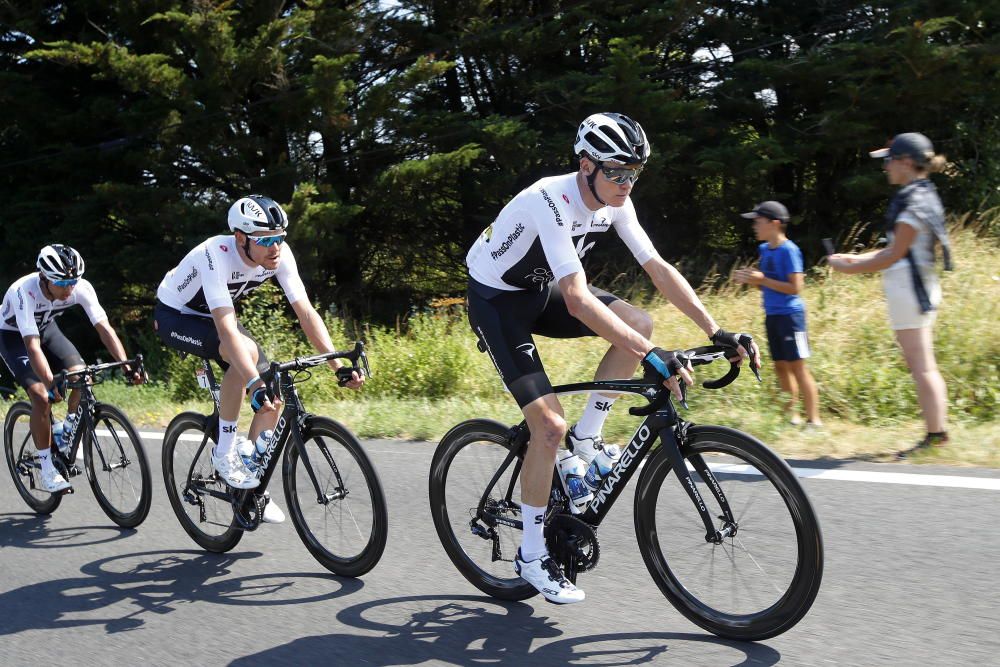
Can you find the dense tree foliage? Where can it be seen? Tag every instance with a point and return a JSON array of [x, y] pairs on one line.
[[394, 132]]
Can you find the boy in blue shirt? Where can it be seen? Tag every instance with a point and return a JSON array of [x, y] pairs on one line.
[[780, 279]]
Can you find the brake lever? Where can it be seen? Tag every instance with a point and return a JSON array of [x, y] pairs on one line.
[[746, 342]]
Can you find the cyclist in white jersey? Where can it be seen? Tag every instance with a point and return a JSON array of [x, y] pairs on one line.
[[526, 277], [35, 349], [195, 313]]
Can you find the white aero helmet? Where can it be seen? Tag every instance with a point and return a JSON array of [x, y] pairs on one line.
[[612, 137], [257, 213], [59, 262]]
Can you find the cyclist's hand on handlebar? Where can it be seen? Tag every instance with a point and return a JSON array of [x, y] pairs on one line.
[[134, 376], [56, 388], [350, 377], [261, 399], [669, 366], [744, 344]]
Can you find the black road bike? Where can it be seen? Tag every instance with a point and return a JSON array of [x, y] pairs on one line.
[[333, 493], [113, 453], [723, 525]]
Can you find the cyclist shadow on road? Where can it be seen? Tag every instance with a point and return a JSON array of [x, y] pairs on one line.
[[476, 630], [158, 582], [31, 531]]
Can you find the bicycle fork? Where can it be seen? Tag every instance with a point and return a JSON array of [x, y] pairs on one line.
[[672, 448]]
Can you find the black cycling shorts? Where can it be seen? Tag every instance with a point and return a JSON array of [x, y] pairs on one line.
[[58, 350], [505, 321], [197, 335]]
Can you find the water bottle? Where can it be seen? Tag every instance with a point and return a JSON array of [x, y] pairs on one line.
[[57, 435], [601, 466], [572, 470], [247, 452], [261, 445]]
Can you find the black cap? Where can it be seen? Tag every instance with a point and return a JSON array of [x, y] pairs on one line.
[[772, 210], [909, 144]]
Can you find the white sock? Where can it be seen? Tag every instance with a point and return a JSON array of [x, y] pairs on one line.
[[45, 458], [592, 421], [533, 535], [227, 434]]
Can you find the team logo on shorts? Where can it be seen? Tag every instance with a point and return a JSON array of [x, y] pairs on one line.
[[529, 350]]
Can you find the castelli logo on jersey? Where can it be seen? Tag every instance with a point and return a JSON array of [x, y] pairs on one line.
[[565, 198], [224, 248]]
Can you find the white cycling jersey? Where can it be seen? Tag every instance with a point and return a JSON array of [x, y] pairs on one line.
[[213, 275], [543, 233], [28, 311]]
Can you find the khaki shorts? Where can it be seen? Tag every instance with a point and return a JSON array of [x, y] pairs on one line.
[[901, 297]]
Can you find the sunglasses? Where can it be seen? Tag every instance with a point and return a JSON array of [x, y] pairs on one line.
[[621, 175], [268, 241], [69, 282]]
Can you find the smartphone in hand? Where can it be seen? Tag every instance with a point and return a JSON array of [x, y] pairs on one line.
[[828, 246]]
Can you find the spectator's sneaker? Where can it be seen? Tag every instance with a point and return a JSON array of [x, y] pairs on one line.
[[234, 471], [585, 448], [53, 481], [546, 575], [929, 443], [272, 513]]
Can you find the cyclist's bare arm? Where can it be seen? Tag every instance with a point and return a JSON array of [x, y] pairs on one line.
[[678, 291], [109, 337], [603, 321], [315, 330]]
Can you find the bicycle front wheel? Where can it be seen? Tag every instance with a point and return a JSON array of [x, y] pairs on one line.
[[336, 499], [199, 498], [22, 460], [482, 545], [117, 468], [760, 580]]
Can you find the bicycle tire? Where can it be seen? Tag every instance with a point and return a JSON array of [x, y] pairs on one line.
[[231, 535], [125, 517], [40, 505], [804, 582], [322, 432], [461, 436]]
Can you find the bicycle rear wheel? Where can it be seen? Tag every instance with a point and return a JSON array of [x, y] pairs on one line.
[[482, 546], [760, 581], [117, 468], [22, 460], [342, 517], [197, 495]]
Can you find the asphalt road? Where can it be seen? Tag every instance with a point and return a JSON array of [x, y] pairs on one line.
[[912, 578]]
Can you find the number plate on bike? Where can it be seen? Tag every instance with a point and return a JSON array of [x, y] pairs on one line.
[[202, 378]]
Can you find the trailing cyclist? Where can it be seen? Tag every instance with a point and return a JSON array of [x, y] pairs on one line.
[[195, 313], [35, 349], [526, 277]]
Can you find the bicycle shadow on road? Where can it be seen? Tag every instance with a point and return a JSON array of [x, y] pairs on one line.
[[474, 630], [158, 582], [31, 531]]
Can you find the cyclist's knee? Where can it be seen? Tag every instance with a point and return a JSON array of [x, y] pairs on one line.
[[549, 431], [642, 322], [39, 397]]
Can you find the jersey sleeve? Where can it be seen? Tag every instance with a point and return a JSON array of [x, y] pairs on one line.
[[793, 261], [288, 277], [24, 312], [213, 281], [86, 296], [555, 237], [627, 225]]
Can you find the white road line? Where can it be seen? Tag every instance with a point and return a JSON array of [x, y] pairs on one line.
[[840, 475]]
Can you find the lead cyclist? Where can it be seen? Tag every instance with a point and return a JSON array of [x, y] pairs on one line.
[[526, 277], [195, 313]]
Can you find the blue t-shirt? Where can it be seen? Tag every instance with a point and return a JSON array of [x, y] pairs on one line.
[[778, 264]]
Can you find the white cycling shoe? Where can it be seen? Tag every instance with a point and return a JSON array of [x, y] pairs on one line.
[[233, 470], [53, 481], [586, 448], [272, 513], [545, 574]]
